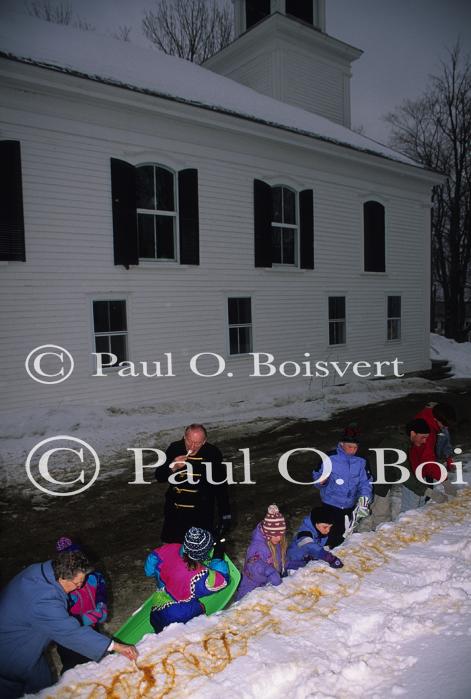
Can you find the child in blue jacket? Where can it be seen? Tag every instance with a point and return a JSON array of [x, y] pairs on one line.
[[309, 541], [347, 488]]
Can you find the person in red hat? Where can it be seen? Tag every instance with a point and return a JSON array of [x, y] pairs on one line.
[[265, 561], [437, 448]]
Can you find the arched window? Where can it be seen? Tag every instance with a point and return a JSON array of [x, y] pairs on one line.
[[374, 242], [156, 212], [284, 226]]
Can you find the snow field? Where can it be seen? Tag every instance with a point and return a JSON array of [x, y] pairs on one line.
[[354, 632], [112, 431]]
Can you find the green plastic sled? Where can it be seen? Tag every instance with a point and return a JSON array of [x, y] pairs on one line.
[[139, 624]]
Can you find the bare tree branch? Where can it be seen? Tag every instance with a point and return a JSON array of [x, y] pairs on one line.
[[435, 130], [191, 29], [57, 13], [123, 32]]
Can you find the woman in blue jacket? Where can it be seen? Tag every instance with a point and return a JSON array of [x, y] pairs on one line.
[[33, 612], [347, 488]]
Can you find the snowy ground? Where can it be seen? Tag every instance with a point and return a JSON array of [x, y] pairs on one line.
[[395, 621], [457, 353], [112, 430]]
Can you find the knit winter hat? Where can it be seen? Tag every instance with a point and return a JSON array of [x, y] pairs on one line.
[[274, 522], [321, 515], [197, 543], [351, 434], [418, 425], [66, 544]]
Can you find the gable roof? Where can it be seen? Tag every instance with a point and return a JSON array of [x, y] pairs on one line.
[[108, 60]]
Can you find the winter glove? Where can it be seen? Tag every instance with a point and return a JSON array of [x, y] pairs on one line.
[[332, 560], [349, 524], [435, 495], [362, 509]]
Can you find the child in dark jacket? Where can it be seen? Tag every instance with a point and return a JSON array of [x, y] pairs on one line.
[[309, 541], [184, 575], [265, 561], [88, 605]]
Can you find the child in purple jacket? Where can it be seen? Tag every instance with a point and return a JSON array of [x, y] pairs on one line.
[[265, 561]]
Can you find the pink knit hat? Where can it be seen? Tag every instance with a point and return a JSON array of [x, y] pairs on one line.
[[274, 523]]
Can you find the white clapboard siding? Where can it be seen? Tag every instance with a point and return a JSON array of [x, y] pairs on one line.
[[314, 84], [182, 309]]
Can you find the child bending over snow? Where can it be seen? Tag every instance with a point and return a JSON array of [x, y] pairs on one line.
[[265, 561], [309, 541]]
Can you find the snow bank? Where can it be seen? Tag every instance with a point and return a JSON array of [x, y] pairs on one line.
[[105, 59], [112, 430], [457, 353], [395, 621]]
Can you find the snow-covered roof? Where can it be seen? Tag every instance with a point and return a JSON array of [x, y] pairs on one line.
[[109, 60]]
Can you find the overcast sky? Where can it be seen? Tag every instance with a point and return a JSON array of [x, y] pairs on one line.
[[403, 42]]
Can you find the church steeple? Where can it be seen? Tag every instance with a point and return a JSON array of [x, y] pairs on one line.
[[283, 50], [249, 12]]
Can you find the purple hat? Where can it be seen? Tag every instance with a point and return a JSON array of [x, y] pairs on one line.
[[66, 544]]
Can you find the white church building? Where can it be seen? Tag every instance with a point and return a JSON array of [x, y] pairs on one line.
[[200, 217]]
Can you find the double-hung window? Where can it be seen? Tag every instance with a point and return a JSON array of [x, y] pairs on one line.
[[337, 320], [394, 318], [110, 328], [284, 226], [156, 212], [239, 312]]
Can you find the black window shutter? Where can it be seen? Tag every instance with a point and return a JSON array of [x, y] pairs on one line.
[[188, 217], [123, 195], [262, 204], [306, 229], [12, 229], [374, 237]]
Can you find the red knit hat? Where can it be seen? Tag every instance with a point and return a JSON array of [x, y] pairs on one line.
[[274, 522]]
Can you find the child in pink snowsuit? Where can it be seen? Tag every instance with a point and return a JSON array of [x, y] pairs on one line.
[[88, 605]]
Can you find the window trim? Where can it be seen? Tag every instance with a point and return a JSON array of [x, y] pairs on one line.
[[388, 318], [241, 295], [162, 212], [291, 226], [344, 320], [377, 200], [113, 296]]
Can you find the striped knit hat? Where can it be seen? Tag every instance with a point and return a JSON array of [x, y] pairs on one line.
[[274, 522], [197, 543]]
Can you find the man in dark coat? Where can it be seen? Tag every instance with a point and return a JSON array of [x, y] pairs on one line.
[[33, 612], [193, 504]]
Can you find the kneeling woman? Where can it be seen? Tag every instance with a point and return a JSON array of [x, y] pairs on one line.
[[184, 574]]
